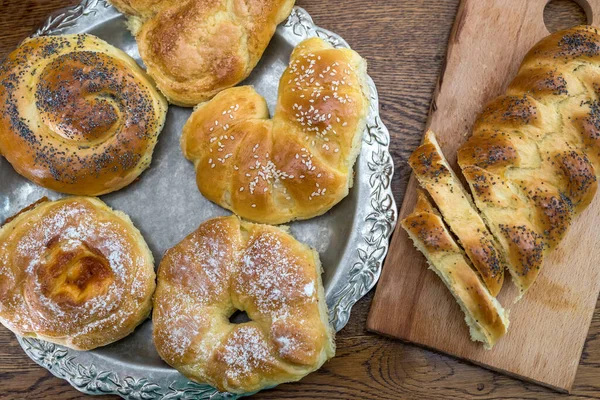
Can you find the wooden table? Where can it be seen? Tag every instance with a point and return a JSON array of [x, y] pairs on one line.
[[404, 43]]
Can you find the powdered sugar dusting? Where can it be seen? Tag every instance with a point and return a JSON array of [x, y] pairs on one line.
[[183, 325], [245, 351], [264, 273], [44, 252], [309, 289], [271, 275], [288, 345], [204, 264]]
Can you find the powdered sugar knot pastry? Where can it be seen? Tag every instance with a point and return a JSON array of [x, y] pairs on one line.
[[228, 265], [74, 272]]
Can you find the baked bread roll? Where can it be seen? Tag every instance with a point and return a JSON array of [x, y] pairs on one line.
[[228, 265], [296, 165], [77, 115], [435, 174], [195, 48], [532, 161], [74, 272], [484, 315]]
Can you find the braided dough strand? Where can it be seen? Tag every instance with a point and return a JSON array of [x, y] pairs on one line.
[[297, 165], [533, 160]]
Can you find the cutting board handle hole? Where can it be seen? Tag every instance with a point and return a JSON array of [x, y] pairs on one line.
[[562, 14]]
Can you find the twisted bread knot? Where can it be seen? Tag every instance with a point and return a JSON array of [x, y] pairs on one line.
[[77, 115], [228, 265], [533, 159], [74, 272], [195, 48], [297, 165]]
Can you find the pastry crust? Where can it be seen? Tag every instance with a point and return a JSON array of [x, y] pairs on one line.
[[484, 315], [77, 115], [74, 272], [435, 174], [532, 161], [296, 165], [195, 48], [228, 265]]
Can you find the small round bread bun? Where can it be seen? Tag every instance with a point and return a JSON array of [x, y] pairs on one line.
[[296, 165], [77, 115], [74, 272], [228, 265]]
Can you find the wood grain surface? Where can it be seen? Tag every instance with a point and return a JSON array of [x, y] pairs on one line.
[[405, 44], [549, 326]]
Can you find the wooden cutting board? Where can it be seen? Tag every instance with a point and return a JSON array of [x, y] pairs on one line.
[[549, 326]]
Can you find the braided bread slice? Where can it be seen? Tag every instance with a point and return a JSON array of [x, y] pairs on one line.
[[532, 160], [195, 48], [435, 174], [297, 165], [484, 315]]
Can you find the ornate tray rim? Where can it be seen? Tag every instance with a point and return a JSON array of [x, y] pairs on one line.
[[378, 225]]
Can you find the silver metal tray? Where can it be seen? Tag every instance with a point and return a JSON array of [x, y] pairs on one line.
[[352, 238]]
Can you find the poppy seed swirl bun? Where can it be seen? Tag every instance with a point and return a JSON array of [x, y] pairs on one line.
[[228, 265], [77, 115], [74, 272]]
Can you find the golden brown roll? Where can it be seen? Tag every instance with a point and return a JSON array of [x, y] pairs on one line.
[[77, 115], [195, 48], [74, 272], [228, 265], [297, 165], [533, 160]]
